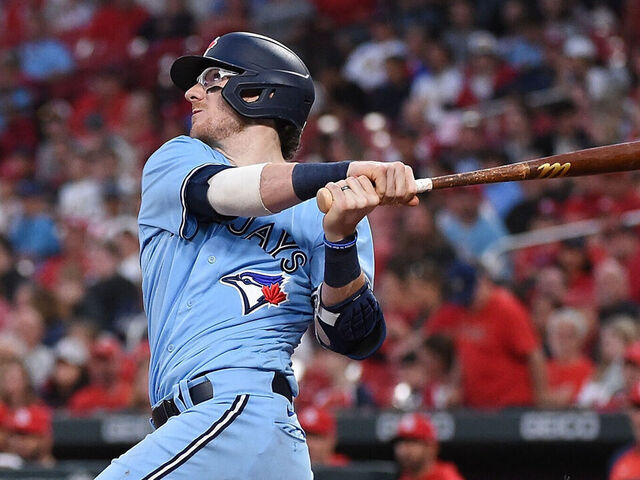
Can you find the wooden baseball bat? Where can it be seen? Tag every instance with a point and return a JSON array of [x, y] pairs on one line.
[[620, 157]]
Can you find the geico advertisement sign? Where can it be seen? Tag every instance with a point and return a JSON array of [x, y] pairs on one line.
[[559, 426]]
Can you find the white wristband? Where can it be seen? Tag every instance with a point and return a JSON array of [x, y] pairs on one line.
[[236, 192]]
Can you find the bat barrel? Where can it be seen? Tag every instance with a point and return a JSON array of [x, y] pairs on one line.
[[607, 159]]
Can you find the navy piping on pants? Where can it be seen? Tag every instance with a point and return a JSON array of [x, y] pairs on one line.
[[223, 422]]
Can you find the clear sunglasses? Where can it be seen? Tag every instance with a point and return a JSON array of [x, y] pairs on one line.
[[212, 76]]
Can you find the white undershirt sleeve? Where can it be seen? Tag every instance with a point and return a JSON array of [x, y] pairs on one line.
[[236, 192]]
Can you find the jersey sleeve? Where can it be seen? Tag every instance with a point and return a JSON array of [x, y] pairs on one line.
[[365, 254], [165, 179]]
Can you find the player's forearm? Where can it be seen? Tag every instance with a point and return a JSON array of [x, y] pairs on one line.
[[259, 190], [276, 187], [334, 295]]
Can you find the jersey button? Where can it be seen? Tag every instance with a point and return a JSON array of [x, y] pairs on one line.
[[211, 259], [170, 348], [189, 304]]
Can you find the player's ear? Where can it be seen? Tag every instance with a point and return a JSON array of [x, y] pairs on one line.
[[251, 95]]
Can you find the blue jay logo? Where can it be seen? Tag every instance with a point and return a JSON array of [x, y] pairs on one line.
[[257, 289]]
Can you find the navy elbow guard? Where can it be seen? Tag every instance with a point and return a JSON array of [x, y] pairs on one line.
[[354, 327]]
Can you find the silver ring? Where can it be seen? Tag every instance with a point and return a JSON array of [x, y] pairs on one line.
[[346, 187]]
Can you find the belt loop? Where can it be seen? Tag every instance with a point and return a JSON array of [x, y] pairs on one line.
[[184, 393], [175, 390]]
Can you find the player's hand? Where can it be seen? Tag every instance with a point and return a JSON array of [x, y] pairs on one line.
[[353, 199], [393, 181]]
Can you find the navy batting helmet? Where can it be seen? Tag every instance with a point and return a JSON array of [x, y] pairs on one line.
[[265, 65]]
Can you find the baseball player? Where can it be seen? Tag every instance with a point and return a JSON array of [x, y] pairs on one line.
[[237, 261]]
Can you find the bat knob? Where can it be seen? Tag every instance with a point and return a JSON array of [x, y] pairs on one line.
[[324, 199]]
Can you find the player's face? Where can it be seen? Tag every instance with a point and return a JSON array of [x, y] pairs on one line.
[[414, 456], [212, 120]]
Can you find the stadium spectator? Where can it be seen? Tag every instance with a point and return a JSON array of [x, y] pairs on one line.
[[408, 394], [7, 460], [568, 368], [389, 97], [27, 420], [416, 451], [631, 376], [437, 89], [568, 133], [520, 44], [10, 278], [28, 325], [440, 370], [504, 196], [281, 19], [111, 299], [612, 291], [17, 97], [582, 59], [333, 382], [113, 26], [175, 21], [422, 290], [42, 56], [461, 24], [319, 425], [574, 259], [69, 372], [80, 197], [420, 241], [427, 376], [140, 387], [486, 77], [628, 253], [626, 465], [127, 241], [57, 142], [30, 434], [139, 129], [547, 295], [106, 390], [102, 104], [501, 359], [34, 233], [469, 226], [73, 256], [365, 65], [608, 380], [67, 17]]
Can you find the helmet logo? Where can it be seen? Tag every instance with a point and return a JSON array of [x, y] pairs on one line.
[[215, 40]]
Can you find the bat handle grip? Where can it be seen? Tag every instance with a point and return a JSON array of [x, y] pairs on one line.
[[424, 185], [325, 200]]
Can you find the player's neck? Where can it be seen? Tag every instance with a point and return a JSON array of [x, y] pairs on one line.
[[254, 144]]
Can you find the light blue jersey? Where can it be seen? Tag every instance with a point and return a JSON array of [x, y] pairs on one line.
[[227, 294]]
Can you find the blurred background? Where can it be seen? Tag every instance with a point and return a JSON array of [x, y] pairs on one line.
[[512, 309]]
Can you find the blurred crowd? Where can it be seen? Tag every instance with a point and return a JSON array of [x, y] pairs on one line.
[[445, 86]]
